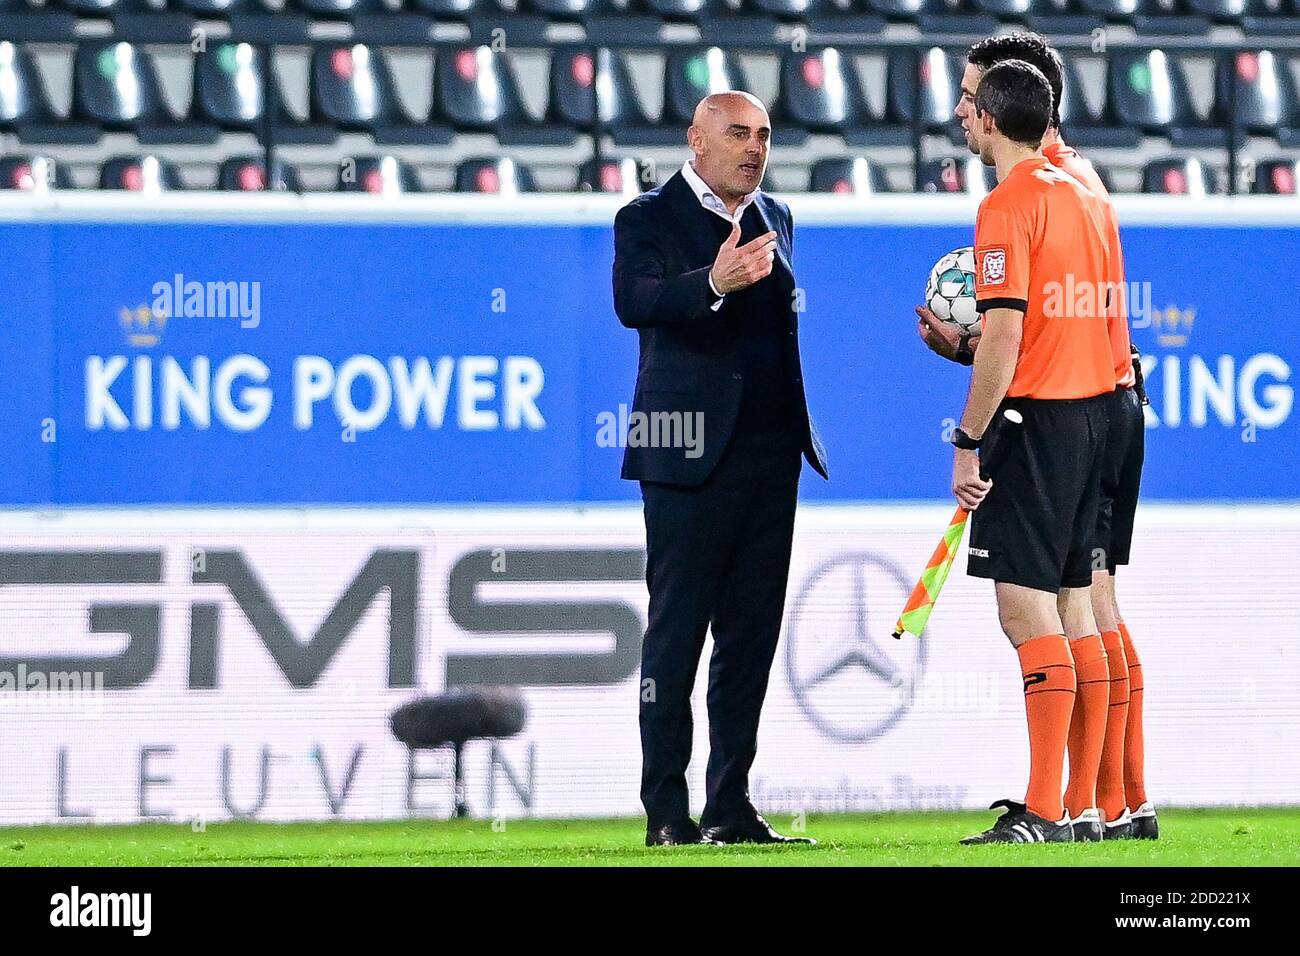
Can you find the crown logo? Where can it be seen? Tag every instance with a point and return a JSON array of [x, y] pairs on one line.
[[142, 325], [1173, 325]]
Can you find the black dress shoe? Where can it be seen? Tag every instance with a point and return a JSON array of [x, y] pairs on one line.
[[756, 830], [677, 833]]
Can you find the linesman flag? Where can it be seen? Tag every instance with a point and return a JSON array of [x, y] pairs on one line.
[[926, 592], [921, 603]]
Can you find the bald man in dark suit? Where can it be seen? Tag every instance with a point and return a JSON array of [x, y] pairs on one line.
[[702, 272]]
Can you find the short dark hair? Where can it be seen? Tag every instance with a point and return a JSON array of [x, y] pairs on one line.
[[1016, 95], [1034, 49]]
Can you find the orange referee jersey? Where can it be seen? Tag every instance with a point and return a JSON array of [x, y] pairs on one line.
[[1065, 157], [1041, 247]]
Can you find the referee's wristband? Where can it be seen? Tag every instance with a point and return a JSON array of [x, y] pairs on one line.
[[963, 441], [964, 354]]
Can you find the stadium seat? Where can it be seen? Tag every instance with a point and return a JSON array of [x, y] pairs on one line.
[[689, 9], [1276, 177], [1005, 9], [29, 173], [820, 92], [1084, 127], [691, 75], [23, 99], [476, 90], [248, 174], [454, 9], [224, 8], [339, 9], [1265, 100], [857, 176], [628, 176], [1184, 177], [939, 73], [790, 9], [579, 79], [493, 176], [565, 9], [1148, 91], [230, 86], [381, 175], [115, 85], [147, 174], [110, 7], [952, 175], [353, 89]]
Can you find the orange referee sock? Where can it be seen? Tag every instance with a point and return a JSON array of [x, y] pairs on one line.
[[1110, 779], [1087, 722], [1135, 785], [1048, 670]]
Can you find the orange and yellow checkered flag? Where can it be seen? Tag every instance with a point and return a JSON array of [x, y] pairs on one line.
[[926, 592]]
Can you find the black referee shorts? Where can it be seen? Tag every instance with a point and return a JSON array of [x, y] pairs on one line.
[[1037, 526], [1121, 476]]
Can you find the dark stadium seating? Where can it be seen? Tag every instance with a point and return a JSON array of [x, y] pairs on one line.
[[492, 175], [25, 173], [579, 78], [139, 174], [1178, 176], [209, 8], [382, 175], [853, 113], [448, 8], [475, 90], [23, 100], [230, 86], [692, 74], [248, 174], [1276, 177], [820, 92], [856, 176], [615, 176], [1265, 93], [327, 9], [115, 85], [1148, 91], [938, 73], [352, 88]]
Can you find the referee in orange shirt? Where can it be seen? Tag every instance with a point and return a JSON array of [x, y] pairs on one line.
[[1106, 748], [1046, 354]]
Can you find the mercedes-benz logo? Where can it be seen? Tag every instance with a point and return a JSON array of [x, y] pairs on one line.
[[850, 684]]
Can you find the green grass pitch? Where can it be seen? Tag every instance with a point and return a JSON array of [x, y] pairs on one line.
[[1219, 837]]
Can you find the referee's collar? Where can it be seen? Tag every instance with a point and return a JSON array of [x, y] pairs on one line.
[[710, 200]]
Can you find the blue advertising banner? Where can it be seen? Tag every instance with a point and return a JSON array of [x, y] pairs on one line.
[[439, 362]]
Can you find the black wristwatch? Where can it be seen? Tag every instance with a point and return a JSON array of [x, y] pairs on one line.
[[963, 441], [964, 354]]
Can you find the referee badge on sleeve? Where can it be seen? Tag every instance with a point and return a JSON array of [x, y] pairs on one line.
[[992, 266]]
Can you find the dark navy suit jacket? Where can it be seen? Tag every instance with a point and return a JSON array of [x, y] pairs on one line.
[[691, 356]]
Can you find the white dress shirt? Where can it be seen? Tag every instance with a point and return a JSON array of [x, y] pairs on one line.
[[710, 201]]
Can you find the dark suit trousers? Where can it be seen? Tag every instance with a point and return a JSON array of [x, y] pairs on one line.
[[717, 554]]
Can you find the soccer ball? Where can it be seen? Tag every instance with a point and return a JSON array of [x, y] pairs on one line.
[[950, 293]]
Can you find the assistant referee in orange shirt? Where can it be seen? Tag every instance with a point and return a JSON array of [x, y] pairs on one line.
[[1040, 246]]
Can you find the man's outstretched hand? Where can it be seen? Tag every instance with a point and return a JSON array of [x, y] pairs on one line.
[[941, 337], [738, 267]]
